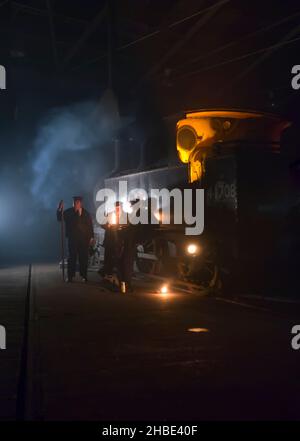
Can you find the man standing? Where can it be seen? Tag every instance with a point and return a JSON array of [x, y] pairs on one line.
[[119, 245], [110, 242], [80, 234], [127, 248]]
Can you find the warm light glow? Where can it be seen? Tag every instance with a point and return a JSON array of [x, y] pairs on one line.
[[113, 218], [192, 249], [198, 330], [158, 216], [127, 208], [164, 289], [198, 132]]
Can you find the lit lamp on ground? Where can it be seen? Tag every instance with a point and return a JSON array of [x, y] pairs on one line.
[[164, 289]]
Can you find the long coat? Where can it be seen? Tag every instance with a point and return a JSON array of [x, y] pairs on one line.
[[77, 227]]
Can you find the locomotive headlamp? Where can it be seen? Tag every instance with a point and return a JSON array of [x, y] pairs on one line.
[[194, 137], [192, 249], [187, 138]]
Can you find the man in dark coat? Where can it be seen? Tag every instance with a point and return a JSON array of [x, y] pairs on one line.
[[80, 234], [110, 242], [119, 245], [127, 247]]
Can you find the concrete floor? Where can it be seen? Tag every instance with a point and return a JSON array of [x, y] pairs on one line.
[[100, 355], [13, 286]]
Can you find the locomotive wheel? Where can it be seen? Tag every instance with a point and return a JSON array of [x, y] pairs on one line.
[[209, 271], [209, 274], [203, 271]]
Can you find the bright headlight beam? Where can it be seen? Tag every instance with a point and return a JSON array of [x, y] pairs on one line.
[[192, 248]]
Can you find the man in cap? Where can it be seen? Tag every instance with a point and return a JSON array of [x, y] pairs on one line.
[[80, 234]]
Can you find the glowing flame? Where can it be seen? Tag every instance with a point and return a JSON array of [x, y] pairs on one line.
[[158, 216], [164, 289], [113, 218]]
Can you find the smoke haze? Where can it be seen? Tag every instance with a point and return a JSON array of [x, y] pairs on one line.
[[71, 152], [65, 152]]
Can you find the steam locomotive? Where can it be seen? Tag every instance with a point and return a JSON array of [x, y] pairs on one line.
[[250, 237]]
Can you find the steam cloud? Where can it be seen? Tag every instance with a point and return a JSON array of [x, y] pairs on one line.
[[71, 147]]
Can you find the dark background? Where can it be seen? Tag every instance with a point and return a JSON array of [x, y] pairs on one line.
[[79, 72]]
